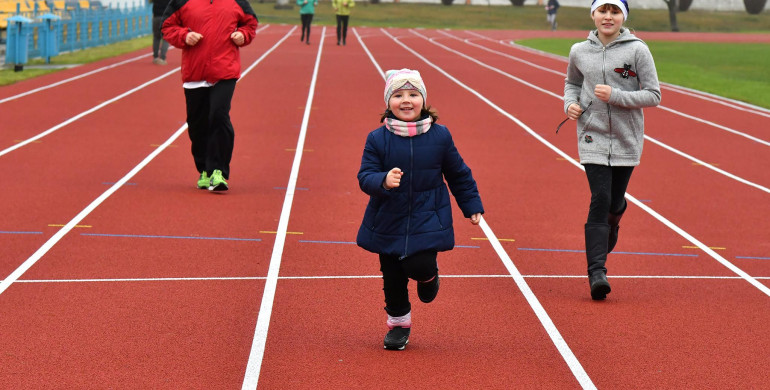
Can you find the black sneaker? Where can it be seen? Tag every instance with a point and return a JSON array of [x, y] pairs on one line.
[[397, 338], [427, 290]]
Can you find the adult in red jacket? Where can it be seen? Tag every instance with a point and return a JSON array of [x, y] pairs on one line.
[[210, 32]]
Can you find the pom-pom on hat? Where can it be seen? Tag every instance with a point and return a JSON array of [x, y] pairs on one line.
[[622, 4], [403, 79]]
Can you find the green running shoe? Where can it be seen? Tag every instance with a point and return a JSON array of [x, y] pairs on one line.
[[218, 182], [204, 181]]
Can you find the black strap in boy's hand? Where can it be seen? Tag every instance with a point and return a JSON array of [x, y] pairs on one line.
[[581, 114]]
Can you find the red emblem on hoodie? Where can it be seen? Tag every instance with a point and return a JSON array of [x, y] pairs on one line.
[[625, 71]]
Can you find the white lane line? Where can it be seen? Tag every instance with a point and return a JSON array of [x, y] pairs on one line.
[[18, 272], [631, 198], [561, 345], [732, 103], [348, 277], [547, 92], [90, 111], [254, 365], [80, 76], [84, 113]]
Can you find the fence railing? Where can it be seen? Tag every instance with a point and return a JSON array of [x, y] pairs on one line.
[[36, 35]]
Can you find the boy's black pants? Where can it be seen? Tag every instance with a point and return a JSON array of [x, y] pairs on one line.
[[396, 274], [209, 126]]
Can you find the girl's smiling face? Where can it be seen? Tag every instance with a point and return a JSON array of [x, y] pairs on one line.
[[608, 20], [406, 104]]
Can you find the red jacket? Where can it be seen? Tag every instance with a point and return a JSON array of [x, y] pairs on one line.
[[215, 57]]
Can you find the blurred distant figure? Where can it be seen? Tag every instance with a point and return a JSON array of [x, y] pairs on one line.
[[306, 11], [342, 9], [550, 9], [159, 45]]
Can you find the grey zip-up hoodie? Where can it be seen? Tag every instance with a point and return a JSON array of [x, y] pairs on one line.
[[611, 133]]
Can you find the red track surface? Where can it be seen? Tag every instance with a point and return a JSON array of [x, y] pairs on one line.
[[160, 285]]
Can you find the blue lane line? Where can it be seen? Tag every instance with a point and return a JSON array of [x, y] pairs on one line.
[[7, 232], [188, 238], [752, 257], [625, 253], [327, 242], [353, 243]]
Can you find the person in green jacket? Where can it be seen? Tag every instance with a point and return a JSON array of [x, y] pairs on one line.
[[342, 9], [306, 11]]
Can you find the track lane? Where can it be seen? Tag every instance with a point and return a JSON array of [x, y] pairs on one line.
[[59, 104]]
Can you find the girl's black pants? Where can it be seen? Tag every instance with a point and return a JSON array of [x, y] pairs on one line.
[[396, 274], [608, 189], [209, 126]]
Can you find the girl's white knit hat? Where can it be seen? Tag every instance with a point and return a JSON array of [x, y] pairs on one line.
[[622, 4], [398, 79]]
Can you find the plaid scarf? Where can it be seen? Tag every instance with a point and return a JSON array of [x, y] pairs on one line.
[[408, 129]]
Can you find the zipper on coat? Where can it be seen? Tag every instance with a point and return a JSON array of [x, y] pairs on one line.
[[409, 199], [609, 108]]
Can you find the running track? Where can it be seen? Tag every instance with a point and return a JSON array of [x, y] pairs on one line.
[[118, 273]]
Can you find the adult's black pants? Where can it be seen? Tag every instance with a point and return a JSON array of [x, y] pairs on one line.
[[209, 126]]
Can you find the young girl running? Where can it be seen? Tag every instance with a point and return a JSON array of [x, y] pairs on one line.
[[614, 73], [409, 217]]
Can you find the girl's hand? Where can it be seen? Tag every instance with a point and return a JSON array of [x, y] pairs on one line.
[[192, 38], [603, 92], [573, 111], [475, 218], [393, 179], [237, 38]]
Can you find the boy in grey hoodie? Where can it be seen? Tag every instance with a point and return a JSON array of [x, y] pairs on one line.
[[613, 73]]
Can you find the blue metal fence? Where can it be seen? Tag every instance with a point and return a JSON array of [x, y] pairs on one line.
[[46, 35]]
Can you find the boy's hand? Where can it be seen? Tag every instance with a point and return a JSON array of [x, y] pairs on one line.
[[603, 92], [475, 218], [393, 179]]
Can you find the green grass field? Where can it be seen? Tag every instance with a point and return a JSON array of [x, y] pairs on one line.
[[737, 71]]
